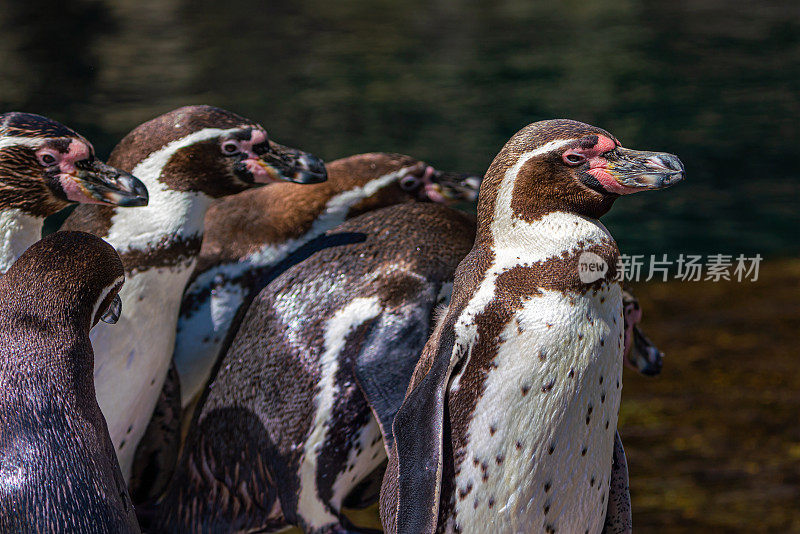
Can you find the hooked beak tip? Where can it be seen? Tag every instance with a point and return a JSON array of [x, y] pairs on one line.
[[127, 192]]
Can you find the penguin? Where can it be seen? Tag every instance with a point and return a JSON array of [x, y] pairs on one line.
[[58, 470], [45, 167], [640, 354], [509, 422], [284, 431], [248, 234], [187, 158], [362, 390]]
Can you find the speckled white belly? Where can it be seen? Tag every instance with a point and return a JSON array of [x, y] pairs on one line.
[[540, 445], [132, 357]]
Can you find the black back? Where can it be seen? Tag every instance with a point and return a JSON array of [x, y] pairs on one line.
[[258, 410], [59, 470]]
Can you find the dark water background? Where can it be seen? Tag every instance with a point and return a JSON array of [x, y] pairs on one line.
[[714, 442], [449, 81]]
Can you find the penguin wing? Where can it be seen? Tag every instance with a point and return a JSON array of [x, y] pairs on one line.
[[618, 514], [418, 430], [386, 360]]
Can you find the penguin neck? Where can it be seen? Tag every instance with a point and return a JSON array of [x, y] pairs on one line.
[[314, 210], [165, 233], [555, 230], [170, 217], [18, 231]]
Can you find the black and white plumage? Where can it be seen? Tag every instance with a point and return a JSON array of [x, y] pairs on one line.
[[285, 432], [249, 234], [187, 157], [509, 422], [44, 167], [58, 469]]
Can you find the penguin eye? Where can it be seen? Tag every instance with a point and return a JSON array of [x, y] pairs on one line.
[[47, 159], [573, 158], [409, 182], [229, 148]]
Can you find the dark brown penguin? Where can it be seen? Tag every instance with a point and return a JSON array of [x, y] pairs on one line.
[[285, 432], [58, 470], [509, 421], [45, 167], [248, 234]]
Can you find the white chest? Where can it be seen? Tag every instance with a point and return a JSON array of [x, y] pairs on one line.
[[539, 450], [132, 357], [18, 231]]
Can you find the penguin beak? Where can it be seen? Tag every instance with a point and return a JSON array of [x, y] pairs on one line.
[[111, 316], [291, 165], [630, 171], [98, 183], [451, 187], [645, 357]]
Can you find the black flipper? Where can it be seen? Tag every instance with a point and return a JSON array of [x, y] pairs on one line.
[[419, 439], [618, 515], [387, 359]]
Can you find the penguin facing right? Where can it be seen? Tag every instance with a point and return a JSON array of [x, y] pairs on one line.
[[45, 167], [58, 469], [509, 423], [249, 233]]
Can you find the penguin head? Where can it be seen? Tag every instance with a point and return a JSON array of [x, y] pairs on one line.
[[566, 165], [212, 151], [639, 353], [67, 278], [425, 183], [387, 179], [44, 166]]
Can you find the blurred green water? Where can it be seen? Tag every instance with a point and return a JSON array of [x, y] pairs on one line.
[[716, 82]]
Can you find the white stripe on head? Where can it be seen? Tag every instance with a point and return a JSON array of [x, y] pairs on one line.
[[168, 213], [12, 141], [103, 294], [150, 168]]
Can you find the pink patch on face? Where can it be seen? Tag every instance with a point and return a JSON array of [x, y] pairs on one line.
[[604, 144], [77, 151], [608, 182], [74, 191], [432, 189], [261, 173], [598, 166], [257, 137]]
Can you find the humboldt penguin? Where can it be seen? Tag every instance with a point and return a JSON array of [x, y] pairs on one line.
[[284, 431], [248, 234], [187, 158], [44, 167], [640, 353], [306, 423], [509, 421], [58, 470]]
